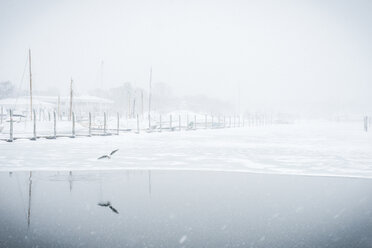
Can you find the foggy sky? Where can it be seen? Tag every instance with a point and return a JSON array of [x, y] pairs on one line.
[[303, 54]]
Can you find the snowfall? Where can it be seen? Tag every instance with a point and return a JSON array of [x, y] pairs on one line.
[[321, 148]]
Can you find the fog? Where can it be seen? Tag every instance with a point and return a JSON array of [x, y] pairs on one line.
[[185, 123], [294, 56]]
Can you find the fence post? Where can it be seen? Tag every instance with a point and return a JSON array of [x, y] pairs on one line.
[[118, 123], [11, 126], [170, 122], [179, 122], [195, 122], [48, 116], [73, 125], [206, 121], [234, 120], [55, 124], [229, 121], [104, 123], [2, 112], [224, 121], [238, 120], [34, 138], [212, 122], [138, 129], [149, 121], [90, 124]]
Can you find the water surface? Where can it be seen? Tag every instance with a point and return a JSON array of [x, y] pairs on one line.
[[183, 209]]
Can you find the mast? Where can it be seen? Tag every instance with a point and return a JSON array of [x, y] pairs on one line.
[[150, 97], [29, 63], [71, 95]]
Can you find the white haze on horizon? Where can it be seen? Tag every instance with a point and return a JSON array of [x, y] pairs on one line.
[[276, 55]]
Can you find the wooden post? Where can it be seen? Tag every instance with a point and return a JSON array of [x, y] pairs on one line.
[[212, 122], [206, 121], [11, 126], [1, 117], [179, 122], [224, 121], [90, 124], [138, 126], [170, 122], [73, 125], [195, 122], [118, 123], [34, 138], [55, 124], [104, 123], [234, 120]]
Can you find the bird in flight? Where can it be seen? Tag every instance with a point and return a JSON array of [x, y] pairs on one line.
[[108, 204], [108, 156]]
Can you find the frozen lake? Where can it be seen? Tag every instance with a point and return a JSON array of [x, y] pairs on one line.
[[183, 209], [304, 148]]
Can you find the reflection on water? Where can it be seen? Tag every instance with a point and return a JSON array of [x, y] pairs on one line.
[[29, 200], [182, 209], [108, 204]]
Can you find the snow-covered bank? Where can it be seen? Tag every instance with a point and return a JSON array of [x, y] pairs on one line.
[[316, 148]]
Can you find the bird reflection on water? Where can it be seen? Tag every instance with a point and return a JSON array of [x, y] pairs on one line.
[[108, 204]]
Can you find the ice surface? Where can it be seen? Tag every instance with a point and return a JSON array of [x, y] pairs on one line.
[[304, 148]]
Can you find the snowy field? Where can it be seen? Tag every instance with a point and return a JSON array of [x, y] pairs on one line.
[[303, 148]]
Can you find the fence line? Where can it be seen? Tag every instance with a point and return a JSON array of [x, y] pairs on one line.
[[87, 129]]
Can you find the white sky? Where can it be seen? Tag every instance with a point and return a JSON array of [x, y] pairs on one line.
[[278, 53]]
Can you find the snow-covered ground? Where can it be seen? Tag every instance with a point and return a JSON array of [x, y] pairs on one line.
[[305, 148]]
